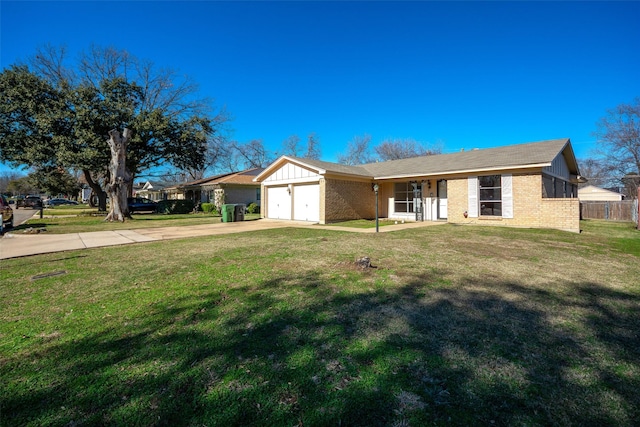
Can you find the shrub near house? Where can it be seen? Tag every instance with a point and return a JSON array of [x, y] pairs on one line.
[[175, 206], [208, 208]]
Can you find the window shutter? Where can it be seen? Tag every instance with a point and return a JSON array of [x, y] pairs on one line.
[[507, 196], [472, 209]]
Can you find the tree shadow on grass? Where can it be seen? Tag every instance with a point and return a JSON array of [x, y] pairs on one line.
[[297, 349]]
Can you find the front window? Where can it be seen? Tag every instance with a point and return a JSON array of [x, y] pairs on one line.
[[403, 196], [490, 195]]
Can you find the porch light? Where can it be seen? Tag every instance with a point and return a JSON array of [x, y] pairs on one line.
[[375, 189]]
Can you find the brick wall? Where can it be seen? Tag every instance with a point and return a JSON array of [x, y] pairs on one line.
[[563, 214], [529, 208], [344, 200], [240, 194]]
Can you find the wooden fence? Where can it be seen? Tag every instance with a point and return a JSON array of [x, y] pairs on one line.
[[624, 210]]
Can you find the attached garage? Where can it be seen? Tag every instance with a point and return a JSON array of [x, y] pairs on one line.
[[278, 203], [300, 202], [292, 192], [306, 202], [304, 190]]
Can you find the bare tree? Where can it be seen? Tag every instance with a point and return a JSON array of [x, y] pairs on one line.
[[313, 146], [252, 154], [618, 135], [596, 173], [49, 61], [291, 146], [393, 149], [217, 153], [358, 151]]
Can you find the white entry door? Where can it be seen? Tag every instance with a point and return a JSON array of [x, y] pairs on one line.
[[306, 202], [442, 198], [278, 203]]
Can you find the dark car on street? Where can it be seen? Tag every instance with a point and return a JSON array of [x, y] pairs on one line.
[[58, 202], [140, 204], [6, 212], [33, 202]]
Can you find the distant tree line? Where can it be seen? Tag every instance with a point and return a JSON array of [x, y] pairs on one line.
[[616, 161], [359, 150]]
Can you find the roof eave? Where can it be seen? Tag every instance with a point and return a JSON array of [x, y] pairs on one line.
[[283, 159], [465, 171], [571, 161]]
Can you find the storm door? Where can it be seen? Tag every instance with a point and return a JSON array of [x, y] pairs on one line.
[[417, 200], [442, 199]]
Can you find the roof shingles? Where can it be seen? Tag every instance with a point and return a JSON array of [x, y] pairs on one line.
[[513, 156]]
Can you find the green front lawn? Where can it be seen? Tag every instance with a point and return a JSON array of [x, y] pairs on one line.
[[62, 221], [455, 325], [364, 223]]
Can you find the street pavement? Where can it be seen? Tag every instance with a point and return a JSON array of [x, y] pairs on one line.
[[18, 244]]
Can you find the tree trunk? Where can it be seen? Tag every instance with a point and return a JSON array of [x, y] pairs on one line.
[[97, 191], [118, 186]]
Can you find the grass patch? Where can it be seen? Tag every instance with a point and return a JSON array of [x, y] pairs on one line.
[[66, 210], [363, 223], [66, 222], [455, 326]]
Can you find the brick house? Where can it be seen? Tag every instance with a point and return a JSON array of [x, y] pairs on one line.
[[233, 187], [526, 185]]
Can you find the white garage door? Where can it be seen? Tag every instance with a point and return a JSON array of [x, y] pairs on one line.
[[278, 203], [306, 202]]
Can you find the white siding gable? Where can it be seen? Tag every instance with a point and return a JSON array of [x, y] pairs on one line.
[[292, 173], [558, 167]]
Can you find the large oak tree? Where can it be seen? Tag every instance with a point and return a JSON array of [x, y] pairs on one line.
[[56, 114]]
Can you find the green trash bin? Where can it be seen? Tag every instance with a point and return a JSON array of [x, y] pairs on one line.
[[227, 213]]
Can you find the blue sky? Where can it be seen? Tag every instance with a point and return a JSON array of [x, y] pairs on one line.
[[464, 74]]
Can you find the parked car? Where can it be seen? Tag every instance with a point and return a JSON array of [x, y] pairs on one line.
[[7, 212], [58, 202], [141, 204], [33, 202]]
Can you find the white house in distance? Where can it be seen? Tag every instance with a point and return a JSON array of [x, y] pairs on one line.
[[591, 193], [152, 191]]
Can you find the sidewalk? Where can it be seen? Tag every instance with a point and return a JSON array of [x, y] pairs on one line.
[[13, 245]]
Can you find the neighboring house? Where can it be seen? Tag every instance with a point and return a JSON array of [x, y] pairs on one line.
[[84, 194], [234, 187], [591, 193], [526, 185], [151, 191]]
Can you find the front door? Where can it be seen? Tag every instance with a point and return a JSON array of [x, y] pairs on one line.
[[417, 200], [442, 199]]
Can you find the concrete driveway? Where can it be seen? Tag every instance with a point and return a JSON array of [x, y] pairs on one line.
[[13, 245]]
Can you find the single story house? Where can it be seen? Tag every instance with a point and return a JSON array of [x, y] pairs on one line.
[[232, 187], [525, 185], [591, 193], [152, 191]]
